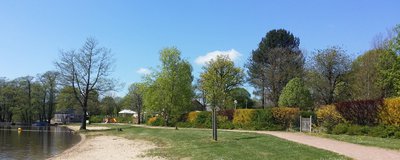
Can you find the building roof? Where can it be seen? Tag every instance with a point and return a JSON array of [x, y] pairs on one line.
[[127, 111]]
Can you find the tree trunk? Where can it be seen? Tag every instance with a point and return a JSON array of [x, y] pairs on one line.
[[214, 124], [50, 112], [139, 115], [166, 118], [83, 125], [10, 115], [43, 116], [263, 97], [84, 108], [51, 105], [29, 103]]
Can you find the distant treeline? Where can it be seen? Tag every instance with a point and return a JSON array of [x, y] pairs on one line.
[[277, 69]]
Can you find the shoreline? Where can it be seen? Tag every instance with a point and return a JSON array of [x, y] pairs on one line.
[[106, 147], [75, 146]]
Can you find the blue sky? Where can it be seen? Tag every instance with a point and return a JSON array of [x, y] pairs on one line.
[[33, 32]]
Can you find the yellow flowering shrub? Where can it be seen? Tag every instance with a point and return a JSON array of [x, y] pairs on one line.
[[242, 118], [285, 116], [328, 116], [151, 120], [390, 112], [155, 121], [192, 116]]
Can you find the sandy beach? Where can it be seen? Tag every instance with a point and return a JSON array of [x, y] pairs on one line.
[[107, 147]]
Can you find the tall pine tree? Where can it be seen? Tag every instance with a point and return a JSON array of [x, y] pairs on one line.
[[277, 60]]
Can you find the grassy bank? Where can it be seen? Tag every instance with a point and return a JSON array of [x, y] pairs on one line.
[[198, 144], [388, 143]]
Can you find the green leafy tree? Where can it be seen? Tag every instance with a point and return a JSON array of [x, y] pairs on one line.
[[170, 91], [200, 94], [327, 76], [242, 97], [40, 101], [295, 94], [277, 60], [134, 99], [365, 74], [108, 106], [25, 99], [394, 43], [10, 100], [389, 66], [219, 78], [49, 82], [66, 101], [17, 100]]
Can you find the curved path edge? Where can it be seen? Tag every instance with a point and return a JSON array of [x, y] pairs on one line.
[[351, 150], [354, 151]]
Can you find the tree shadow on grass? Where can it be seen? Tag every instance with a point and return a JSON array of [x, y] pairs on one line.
[[247, 138]]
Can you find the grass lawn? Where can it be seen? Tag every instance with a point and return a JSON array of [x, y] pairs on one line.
[[198, 144], [388, 143]]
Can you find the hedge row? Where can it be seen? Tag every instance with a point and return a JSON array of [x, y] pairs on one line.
[[100, 119], [362, 112], [259, 119]]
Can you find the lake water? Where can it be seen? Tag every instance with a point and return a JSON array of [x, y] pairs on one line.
[[35, 142]]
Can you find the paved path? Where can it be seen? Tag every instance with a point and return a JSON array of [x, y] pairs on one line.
[[351, 150]]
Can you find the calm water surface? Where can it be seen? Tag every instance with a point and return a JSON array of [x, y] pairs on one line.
[[35, 142]]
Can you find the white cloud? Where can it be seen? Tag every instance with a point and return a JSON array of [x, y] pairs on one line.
[[143, 71], [232, 54]]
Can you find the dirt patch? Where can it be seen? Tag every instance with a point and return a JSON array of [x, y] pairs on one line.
[[109, 147]]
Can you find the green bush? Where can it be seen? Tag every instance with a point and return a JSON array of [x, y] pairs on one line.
[[263, 120], [344, 128], [306, 114], [127, 119], [384, 131], [295, 94], [365, 130], [376, 131], [357, 130], [203, 120], [224, 123], [341, 128], [96, 119], [397, 135]]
